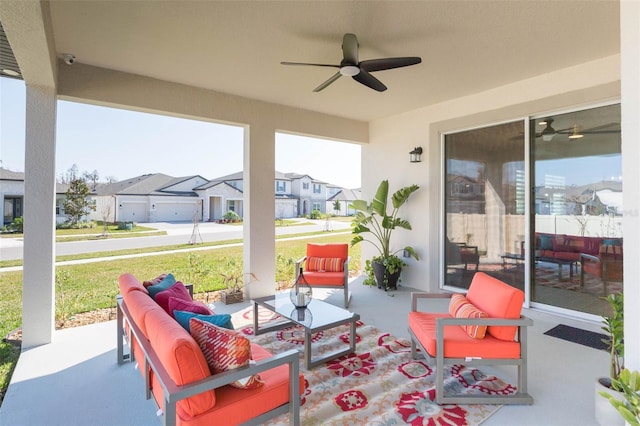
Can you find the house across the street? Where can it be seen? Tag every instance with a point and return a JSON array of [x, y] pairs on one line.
[[158, 197]]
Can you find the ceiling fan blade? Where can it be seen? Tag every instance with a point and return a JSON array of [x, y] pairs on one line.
[[328, 82], [313, 65], [389, 63], [370, 81], [597, 129], [349, 50]]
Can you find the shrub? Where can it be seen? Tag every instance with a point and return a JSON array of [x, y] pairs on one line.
[[17, 225], [315, 214], [231, 216]]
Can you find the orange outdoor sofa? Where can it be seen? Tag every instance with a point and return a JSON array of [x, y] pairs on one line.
[[326, 266], [177, 376], [483, 328]]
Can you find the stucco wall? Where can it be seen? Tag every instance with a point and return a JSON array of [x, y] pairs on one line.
[[582, 85]]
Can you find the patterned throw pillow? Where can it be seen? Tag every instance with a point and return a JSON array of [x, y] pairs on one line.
[[460, 307], [224, 350], [163, 285], [221, 320], [325, 264]]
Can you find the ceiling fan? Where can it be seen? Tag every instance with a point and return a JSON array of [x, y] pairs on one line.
[[574, 131], [360, 71]]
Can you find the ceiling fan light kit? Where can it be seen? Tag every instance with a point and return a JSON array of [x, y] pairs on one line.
[[575, 134], [350, 66]]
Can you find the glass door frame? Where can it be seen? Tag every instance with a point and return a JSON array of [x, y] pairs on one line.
[[527, 203], [531, 228]]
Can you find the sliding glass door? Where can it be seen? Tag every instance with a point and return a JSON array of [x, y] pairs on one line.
[[577, 225], [562, 244], [484, 201]]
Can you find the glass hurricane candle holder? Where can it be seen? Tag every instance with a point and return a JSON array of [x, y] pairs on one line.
[[301, 293]]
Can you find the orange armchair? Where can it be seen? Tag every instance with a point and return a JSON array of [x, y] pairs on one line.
[[607, 265], [495, 336], [327, 266]]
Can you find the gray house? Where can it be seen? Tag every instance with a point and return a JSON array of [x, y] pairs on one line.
[[12, 197], [149, 198], [158, 197]]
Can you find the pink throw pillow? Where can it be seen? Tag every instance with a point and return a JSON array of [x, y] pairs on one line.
[[193, 306], [178, 290]]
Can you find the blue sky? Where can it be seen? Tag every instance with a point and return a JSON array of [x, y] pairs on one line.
[[125, 144]]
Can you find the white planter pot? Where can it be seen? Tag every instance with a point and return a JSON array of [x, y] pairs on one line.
[[606, 414]]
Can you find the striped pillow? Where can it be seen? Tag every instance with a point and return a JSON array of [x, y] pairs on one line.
[[325, 264], [460, 307], [224, 350]]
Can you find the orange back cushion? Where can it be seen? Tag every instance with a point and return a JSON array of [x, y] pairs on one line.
[[328, 250], [498, 300], [182, 358]]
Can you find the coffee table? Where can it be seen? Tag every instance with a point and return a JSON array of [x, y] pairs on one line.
[[317, 316]]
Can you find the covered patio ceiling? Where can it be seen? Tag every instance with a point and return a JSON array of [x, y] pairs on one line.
[[236, 47]]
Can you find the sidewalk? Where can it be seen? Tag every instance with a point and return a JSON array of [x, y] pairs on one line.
[[178, 233]]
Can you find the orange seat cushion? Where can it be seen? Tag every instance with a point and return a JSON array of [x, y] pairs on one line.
[[457, 344], [498, 300], [325, 278], [236, 406]]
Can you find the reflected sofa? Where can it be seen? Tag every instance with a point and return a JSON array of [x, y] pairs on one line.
[[598, 256]]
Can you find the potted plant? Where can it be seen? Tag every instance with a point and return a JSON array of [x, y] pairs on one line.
[[606, 414], [234, 282], [629, 384], [372, 223]]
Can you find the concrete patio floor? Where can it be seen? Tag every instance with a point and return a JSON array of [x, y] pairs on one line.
[[76, 380]]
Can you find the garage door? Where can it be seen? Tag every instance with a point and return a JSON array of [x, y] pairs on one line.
[[133, 212], [175, 212]]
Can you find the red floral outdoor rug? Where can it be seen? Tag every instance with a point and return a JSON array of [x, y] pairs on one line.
[[380, 384]]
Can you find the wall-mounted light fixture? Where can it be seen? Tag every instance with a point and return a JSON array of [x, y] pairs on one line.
[[415, 156]]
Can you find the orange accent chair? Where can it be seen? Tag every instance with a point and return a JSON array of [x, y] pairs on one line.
[[461, 253], [486, 328], [607, 265], [326, 266]]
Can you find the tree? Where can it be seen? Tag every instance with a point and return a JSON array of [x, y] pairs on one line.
[[105, 212], [77, 203], [91, 178], [70, 174], [336, 206]]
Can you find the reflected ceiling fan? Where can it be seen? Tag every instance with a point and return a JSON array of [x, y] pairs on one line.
[[574, 132], [360, 71]]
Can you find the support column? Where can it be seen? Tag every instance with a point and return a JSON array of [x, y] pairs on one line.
[[38, 286], [259, 209], [630, 77]]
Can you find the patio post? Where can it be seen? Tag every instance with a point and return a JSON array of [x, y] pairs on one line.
[[38, 287], [630, 88], [259, 209]]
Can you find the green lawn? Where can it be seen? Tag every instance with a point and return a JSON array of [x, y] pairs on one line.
[[91, 286]]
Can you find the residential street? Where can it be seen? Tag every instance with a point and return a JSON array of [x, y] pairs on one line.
[[177, 233]]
